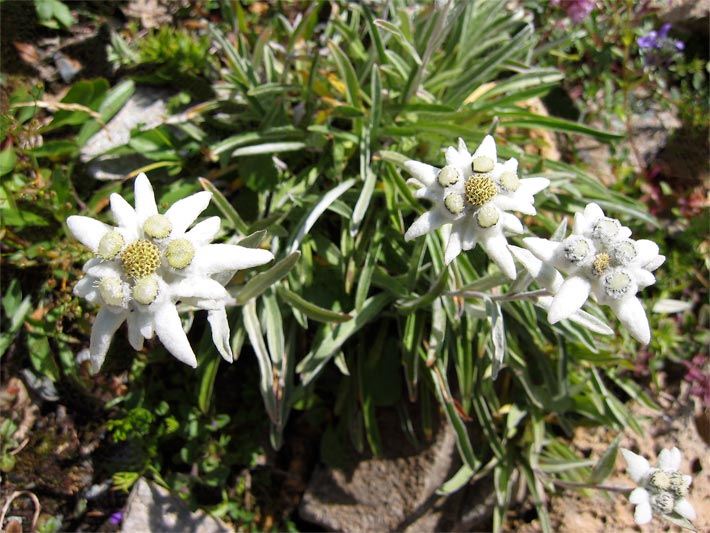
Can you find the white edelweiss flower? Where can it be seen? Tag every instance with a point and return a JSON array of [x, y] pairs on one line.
[[474, 193], [601, 259], [148, 263], [663, 489], [549, 278]]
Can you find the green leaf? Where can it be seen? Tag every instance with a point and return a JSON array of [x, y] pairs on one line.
[[114, 101], [7, 160], [269, 148], [262, 281], [334, 338], [310, 218], [495, 318], [274, 327], [407, 306], [225, 207], [310, 309], [457, 481], [347, 73], [253, 328], [605, 465]]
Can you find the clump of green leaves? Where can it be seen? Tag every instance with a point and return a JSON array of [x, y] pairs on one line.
[[302, 140]]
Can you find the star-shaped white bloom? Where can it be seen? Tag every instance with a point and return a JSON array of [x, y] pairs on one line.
[[148, 263], [662, 489], [601, 259], [473, 193]]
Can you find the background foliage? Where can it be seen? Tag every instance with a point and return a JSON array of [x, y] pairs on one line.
[[298, 121]]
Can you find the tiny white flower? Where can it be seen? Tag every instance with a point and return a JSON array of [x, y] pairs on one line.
[[150, 262], [662, 490], [601, 260], [474, 193]]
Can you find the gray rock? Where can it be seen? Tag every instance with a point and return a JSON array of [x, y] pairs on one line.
[[152, 508], [145, 109], [396, 492]]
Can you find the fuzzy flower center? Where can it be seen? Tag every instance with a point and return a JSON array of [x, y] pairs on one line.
[[454, 203], [140, 259], [606, 229], [479, 190], [482, 164], [487, 216], [624, 252], [112, 291], [509, 181], [659, 480], [109, 245], [145, 290], [157, 226], [179, 253], [601, 263], [663, 502], [617, 283], [448, 176], [576, 249]]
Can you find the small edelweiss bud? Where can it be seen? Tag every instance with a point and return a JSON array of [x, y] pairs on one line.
[[678, 484], [509, 181], [145, 290], [454, 203], [576, 249], [663, 502], [482, 163], [140, 259], [157, 226], [624, 252], [606, 229], [179, 253], [487, 216], [601, 263], [448, 176], [618, 283], [479, 190], [109, 245], [659, 481], [112, 290]]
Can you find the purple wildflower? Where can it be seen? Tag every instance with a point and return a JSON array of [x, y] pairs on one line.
[[650, 40], [657, 47], [576, 10], [116, 518]]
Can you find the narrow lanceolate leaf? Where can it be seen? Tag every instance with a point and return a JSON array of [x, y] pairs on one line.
[[268, 148], [225, 207], [369, 177], [347, 73], [671, 306], [495, 318], [311, 310], [436, 290], [310, 219], [115, 98], [334, 338], [274, 327], [459, 480], [605, 465], [463, 442], [262, 281], [251, 323]]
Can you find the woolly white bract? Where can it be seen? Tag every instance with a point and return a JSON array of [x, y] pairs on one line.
[[149, 262], [662, 490], [601, 260], [473, 193]]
